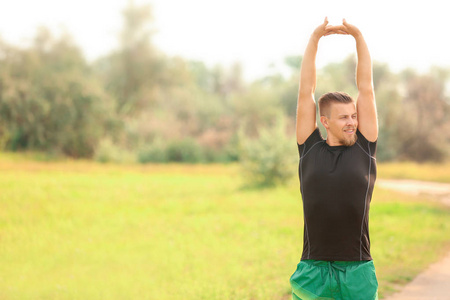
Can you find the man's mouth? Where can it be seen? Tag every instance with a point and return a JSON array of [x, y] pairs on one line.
[[349, 131]]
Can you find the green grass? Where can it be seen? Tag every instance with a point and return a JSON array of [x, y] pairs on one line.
[[410, 170], [82, 230], [407, 234]]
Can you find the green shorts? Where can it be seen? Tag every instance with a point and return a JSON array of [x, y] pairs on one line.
[[314, 279]]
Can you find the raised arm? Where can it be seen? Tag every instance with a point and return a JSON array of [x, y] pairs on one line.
[[365, 104], [306, 106]]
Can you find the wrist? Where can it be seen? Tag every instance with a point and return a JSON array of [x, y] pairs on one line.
[[357, 35], [315, 38]]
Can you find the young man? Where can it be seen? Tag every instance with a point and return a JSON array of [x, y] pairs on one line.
[[337, 176]]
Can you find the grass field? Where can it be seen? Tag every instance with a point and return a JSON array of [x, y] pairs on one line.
[[82, 230], [438, 172]]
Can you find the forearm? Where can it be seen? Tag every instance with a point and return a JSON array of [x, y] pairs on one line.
[[307, 83], [364, 65]]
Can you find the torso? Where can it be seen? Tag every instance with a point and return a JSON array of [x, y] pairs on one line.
[[336, 185]]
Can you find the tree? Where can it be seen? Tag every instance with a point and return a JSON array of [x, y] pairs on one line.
[[424, 118], [389, 107], [48, 98], [133, 73]]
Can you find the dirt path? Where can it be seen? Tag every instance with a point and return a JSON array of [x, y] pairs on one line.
[[434, 282], [441, 191]]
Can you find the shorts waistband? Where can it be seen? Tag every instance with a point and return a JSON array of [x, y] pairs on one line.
[[326, 264]]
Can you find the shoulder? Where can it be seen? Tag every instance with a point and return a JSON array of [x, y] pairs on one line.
[[314, 139], [362, 138], [367, 146], [315, 136]]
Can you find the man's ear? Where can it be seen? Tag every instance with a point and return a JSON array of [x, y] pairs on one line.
[[324, 121]]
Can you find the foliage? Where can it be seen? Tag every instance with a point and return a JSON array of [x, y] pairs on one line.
[[184, 150], [389, 108], [107, 151], [49, 100], [270, 158], [133, 72], [427, 109], [140, 102], [156, 152]]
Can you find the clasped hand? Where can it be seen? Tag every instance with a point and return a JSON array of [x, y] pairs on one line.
[[324, 29]]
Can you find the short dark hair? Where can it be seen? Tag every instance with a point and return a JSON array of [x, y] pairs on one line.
[[334, 97]]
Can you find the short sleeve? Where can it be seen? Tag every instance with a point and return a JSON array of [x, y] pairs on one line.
[[310, 141], [370, 147]]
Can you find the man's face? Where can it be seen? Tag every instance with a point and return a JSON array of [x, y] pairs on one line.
[[342, 124]]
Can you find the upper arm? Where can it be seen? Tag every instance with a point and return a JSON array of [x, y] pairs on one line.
[[367, 114], [306, 116]]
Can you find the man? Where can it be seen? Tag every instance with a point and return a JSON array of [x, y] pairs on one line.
[[337, 177]]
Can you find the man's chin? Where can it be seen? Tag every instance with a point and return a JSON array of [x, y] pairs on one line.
[[350, 141]]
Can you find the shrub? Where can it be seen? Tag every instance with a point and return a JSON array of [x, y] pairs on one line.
[[156, 152], [107, 151], [270, 158], [185, 150]]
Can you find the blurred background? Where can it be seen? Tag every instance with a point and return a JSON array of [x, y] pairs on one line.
[[213, 83], [159, 81]]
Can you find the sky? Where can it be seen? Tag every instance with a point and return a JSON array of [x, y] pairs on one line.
[[257, 34]]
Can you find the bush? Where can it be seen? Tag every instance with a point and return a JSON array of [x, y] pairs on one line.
[[156, 152], [271, 158], [185, 150], [107, 151]]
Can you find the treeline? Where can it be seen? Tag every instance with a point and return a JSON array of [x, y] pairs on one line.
[[138, 104]]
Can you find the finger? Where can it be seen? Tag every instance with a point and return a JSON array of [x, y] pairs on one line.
[[339, 27], [329, 31], [335, 32], [325, 21], [332, 29]]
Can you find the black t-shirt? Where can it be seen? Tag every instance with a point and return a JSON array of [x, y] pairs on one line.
[[336, 183]]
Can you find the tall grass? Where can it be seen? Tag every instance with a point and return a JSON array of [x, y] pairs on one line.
[[81, 230]]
